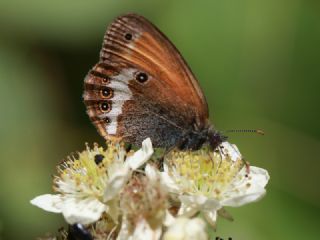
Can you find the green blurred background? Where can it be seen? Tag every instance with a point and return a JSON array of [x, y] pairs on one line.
[[257, 61]]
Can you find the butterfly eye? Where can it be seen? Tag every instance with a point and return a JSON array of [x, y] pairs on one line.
[[128, 36], [106, 92], [105, 107], [142, 77]]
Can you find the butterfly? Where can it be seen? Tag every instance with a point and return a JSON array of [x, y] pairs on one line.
[[142, 87]]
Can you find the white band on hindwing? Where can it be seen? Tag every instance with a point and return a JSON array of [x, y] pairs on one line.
[[121, 93]]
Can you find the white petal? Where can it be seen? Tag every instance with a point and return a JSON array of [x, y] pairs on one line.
[[169, 219], [144, 231], [193, 199], [246, 189], [169, 182], [244, 199], [211, 204], [188, 210], [74, 210], [116, 183], [186, 229], [124, 233], [196, 229], [152, 173], [231, 150], [83, 211], [190, 205], [140, 156], [48, 202]]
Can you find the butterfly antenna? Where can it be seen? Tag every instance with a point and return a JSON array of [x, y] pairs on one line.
[[258, 131]]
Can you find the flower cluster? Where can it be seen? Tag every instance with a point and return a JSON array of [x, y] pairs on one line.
[[117, 194]]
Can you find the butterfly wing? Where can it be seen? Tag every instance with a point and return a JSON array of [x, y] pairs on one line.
[[142, 87]]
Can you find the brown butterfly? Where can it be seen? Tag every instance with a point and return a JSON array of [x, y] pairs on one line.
[[142, 87]]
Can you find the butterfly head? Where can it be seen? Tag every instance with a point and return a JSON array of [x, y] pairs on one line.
[[215, 138]]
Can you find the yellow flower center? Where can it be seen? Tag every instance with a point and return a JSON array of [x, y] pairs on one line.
[[204, 172], [87, 173]]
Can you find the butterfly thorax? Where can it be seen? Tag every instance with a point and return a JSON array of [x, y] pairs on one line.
[[194, 140]]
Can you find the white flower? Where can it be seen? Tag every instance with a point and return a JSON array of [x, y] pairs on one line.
[[186, 229], [142, 230], [205, 181], [89, 185], [144, 207]]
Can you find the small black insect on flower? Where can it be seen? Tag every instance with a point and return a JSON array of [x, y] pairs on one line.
[[78, 232]]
